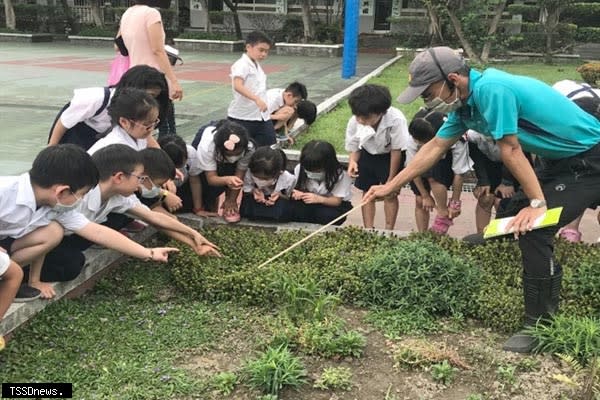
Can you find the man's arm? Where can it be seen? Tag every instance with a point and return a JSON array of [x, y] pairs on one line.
[[425, 158]]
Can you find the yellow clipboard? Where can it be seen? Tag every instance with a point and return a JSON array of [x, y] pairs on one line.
[[497, 227]]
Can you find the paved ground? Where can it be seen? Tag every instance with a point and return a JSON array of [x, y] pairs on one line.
[[38, 79]]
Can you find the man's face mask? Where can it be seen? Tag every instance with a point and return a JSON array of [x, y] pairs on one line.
[[440, 105]]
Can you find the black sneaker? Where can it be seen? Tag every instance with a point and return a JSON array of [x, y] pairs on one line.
[[26, 293]]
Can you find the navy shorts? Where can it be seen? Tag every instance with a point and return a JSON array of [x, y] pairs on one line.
[[6, 244], [441, 172], [373, 169]]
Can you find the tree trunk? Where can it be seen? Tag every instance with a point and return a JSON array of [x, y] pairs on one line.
[[236, 18], [9, 11], [307, 21], [461, 36], [550, 25], [485, 53], [435, 30]]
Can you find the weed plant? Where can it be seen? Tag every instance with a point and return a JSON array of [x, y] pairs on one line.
[[396, 323], [328, 338], [443, 372], [225, 382], [335, 378], [275, 368]]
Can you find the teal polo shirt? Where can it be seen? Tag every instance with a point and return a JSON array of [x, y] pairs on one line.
[[546, 122]]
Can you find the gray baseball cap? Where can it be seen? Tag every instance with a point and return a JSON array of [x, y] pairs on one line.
[[424, 70]]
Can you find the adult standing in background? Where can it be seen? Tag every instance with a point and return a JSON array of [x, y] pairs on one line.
[[143, 33]]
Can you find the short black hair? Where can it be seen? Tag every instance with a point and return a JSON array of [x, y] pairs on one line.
[[297, 89], [267, 162], [130, 103], [256, 37], [370, 99], [591, 105], [307, 110], [146, 77], [175, 147], [425, 125], [157, 164], [64, 164], [116, 158]]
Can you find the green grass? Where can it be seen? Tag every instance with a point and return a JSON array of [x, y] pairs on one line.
[[332, 126]]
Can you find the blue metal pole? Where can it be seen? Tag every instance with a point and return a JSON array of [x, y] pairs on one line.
[[350, 39]]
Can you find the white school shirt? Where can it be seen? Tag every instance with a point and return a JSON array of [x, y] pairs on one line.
[[341, 189], [4, 262], [19, 214], [574, 90], [461, 162], [84, 104], [255, 80], [285, 184], [118, 136], [485, 144], [205, 155], [274, 100], [189, 166], [391, 134], [92, 208]]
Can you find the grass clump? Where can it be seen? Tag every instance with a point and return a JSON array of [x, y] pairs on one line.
[[273, 369], [329, 338], [443, 372], [225, 382], [335, 378]]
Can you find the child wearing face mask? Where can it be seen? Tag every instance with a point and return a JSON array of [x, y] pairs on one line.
[[376, 137], [222, 158], [267, 186], [323, 189]]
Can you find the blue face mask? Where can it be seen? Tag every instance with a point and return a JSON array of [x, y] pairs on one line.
[[317, 176]]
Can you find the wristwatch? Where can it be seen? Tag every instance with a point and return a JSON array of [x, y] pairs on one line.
[[537, 203]]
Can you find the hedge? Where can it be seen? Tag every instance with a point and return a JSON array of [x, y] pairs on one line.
[[588, 34], [582, 14]]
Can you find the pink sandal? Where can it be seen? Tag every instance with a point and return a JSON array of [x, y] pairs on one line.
[[441, 225], [570, 235]]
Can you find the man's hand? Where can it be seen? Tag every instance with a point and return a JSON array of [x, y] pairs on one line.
[[162, 253], [428, 203], [523, 221], [233, 182], [46, 288], [505, 191], [206, 250], [380, 192], [352, 169]]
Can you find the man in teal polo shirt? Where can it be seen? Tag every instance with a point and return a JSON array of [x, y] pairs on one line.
[[520, 113]]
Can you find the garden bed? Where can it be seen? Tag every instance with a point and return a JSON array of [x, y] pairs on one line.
[[351, 314]]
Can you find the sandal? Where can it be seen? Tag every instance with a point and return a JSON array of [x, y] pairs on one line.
[[570, 235], [441, 225]]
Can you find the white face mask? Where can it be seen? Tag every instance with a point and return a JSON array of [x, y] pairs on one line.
[[151, 193], [439, 105], [317, 176], [262, 183], [233, 159], [59, 207]]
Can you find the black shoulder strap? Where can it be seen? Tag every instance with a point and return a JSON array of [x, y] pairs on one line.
[[583, 88], [105, 101]]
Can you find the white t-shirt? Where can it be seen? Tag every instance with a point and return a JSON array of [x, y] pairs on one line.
[[285, 184], [342, 188], [92, 208], [19, 214], [4, 262], [574, 90], [391, 134], [206, 158], [461, 163], [84, 104], [118, 136], [255, 80], [274, 100], [486, 144]]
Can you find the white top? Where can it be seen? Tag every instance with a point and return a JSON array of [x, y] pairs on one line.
[[486, 144], [206, 158], [255, 80], [119, 136], [392, 134], [84, 104], [274, 100], [461, 163], [574, 90], [4, 262], [284, 184], [342, 188], [92, 208], [19, 214], [189, 165]]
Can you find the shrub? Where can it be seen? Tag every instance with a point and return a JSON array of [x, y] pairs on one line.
[[335, 378], [582, 14], [40, 18], [419, 274], [533, 38], [274, 369], [206, 36], [590, 73], [328, 338], [587, 34], [529, 12], [99, 31]]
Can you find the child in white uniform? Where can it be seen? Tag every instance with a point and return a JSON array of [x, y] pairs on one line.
[[267, 186], [323, 188]]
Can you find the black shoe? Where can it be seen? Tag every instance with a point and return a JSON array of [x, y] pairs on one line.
[[520, 342], [26, 293]]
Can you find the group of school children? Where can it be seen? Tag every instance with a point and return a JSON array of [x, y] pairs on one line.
[[104, 174]]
